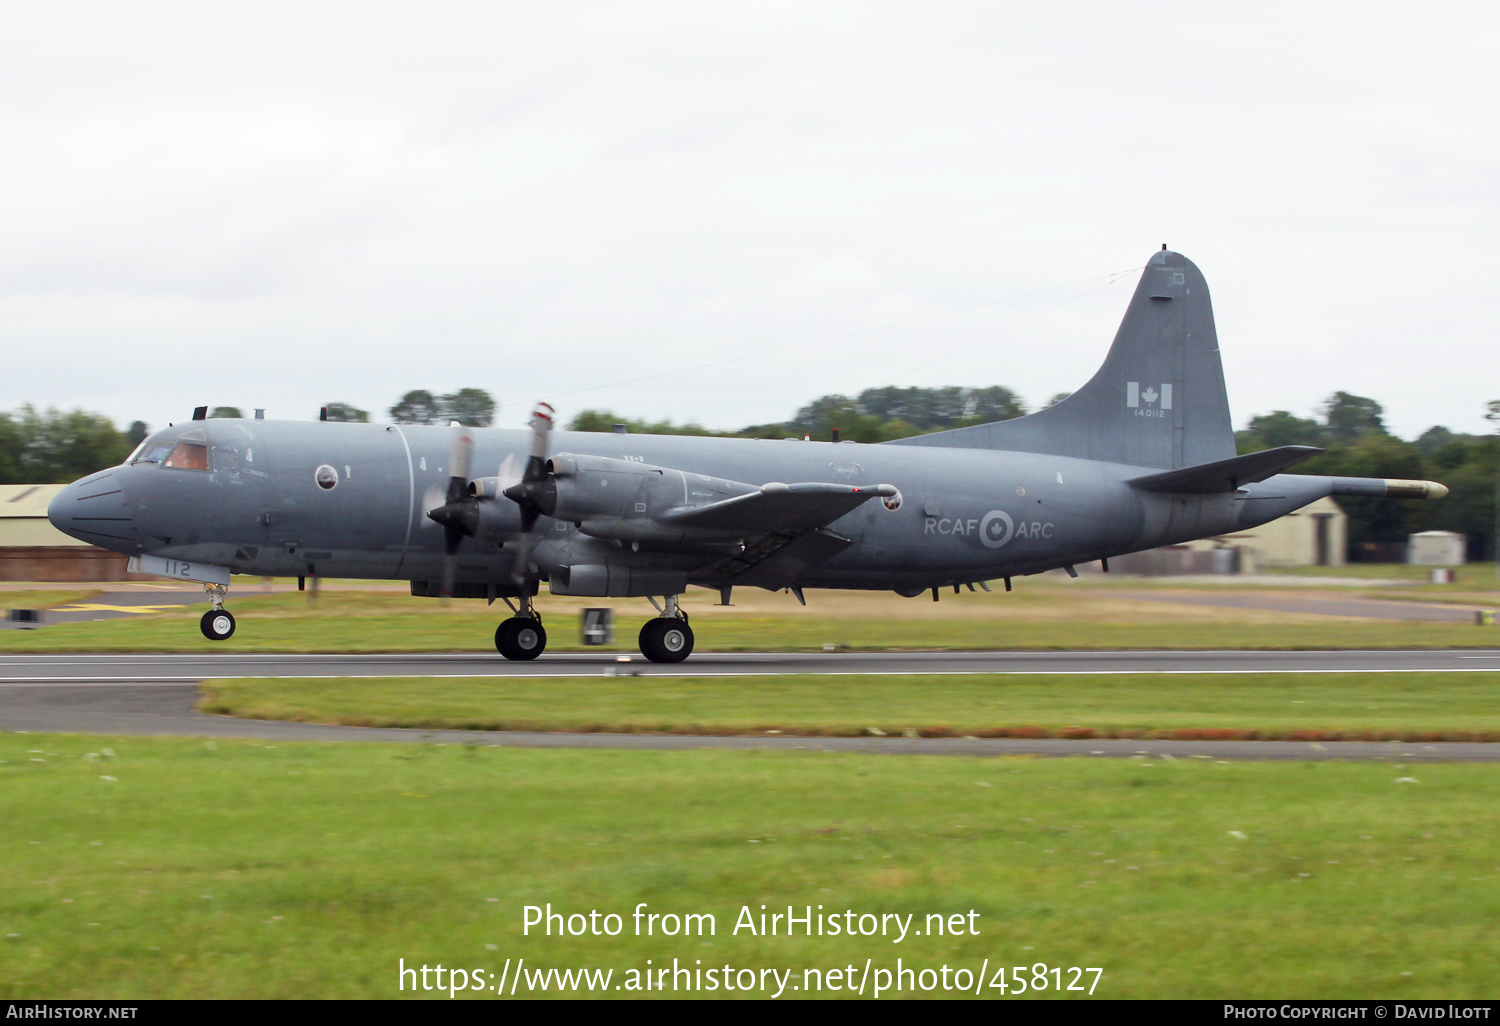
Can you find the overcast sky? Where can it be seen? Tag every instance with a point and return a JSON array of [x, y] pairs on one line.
[[280, 205]]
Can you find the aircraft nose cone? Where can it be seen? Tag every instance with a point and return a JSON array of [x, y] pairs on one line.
[[93, 510]]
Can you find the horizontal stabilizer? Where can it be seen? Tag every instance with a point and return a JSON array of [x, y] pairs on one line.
[[779, 507], [1226, 475]]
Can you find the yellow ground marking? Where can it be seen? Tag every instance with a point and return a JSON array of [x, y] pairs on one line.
[[100, 607]]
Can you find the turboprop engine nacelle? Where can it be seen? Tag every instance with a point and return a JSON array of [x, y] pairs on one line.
[[597, 488]]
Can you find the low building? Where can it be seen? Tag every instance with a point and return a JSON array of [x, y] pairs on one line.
[[31, 549], [1315, 535], [1436, 548]]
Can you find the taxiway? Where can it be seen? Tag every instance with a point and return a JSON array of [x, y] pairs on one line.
[[157, 695]]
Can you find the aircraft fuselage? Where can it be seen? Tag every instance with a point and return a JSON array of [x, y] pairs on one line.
[[964, 515]]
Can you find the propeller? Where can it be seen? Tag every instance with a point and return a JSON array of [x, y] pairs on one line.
[[535, 481], [459, 514], [450, 514]]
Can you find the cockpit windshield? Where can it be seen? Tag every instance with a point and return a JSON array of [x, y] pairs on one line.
[[181, 455]]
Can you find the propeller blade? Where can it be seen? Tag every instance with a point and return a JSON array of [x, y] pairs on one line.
[[522, 565], [541, 429], [532, 479], [450, 574], [460, 460]]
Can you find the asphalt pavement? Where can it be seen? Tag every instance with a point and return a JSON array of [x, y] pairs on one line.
[[157, 695], [182, 668]]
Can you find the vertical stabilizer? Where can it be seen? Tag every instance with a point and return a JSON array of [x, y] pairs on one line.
[[1159, 399]]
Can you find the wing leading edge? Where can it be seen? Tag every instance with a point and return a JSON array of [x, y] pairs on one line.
[[780, 507]]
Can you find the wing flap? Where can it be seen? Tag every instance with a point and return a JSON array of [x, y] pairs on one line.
[[780, 559]]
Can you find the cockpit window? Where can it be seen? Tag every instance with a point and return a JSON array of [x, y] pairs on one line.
[[152, 452], [187, 456], [188, 451]]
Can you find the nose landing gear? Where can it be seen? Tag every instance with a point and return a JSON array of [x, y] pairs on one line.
[[668, 638], [218, 623]]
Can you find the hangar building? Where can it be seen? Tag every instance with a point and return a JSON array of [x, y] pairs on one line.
[[1315, 535], [31, 549]]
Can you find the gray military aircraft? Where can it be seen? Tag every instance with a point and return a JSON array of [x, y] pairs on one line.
[[1142, 455]]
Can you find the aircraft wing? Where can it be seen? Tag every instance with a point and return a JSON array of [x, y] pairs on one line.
[[789, 524], [779, 507]]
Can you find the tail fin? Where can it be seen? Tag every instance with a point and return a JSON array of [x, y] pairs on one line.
[[1159, 399]]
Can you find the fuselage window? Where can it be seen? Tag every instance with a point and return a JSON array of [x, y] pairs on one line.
[[187, 456], [326, 476]]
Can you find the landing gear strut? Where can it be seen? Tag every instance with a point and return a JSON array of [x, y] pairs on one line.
[[522, 636], [218, 623], [668, 638]]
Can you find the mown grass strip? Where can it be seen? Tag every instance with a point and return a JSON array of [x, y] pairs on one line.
[[171, 868], [1269, 706], [1474, 576], [354, 623], [42, 598]]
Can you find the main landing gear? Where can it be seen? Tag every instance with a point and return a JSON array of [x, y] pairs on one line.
[[522, 636], [218, 623], [664, 639], [668, 638]]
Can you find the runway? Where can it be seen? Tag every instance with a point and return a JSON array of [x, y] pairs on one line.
[[179, 668], [156, 695]]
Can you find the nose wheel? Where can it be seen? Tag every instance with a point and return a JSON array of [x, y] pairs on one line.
[[217, 624]]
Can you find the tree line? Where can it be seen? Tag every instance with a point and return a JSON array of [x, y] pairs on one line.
[[1352, 430], [875, 415], [52, 446]]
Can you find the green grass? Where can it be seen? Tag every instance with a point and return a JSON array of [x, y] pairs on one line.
[[364, 622], [1470, 576], [1462, 597], [307, 870], [1372, 706], [43, 598]]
